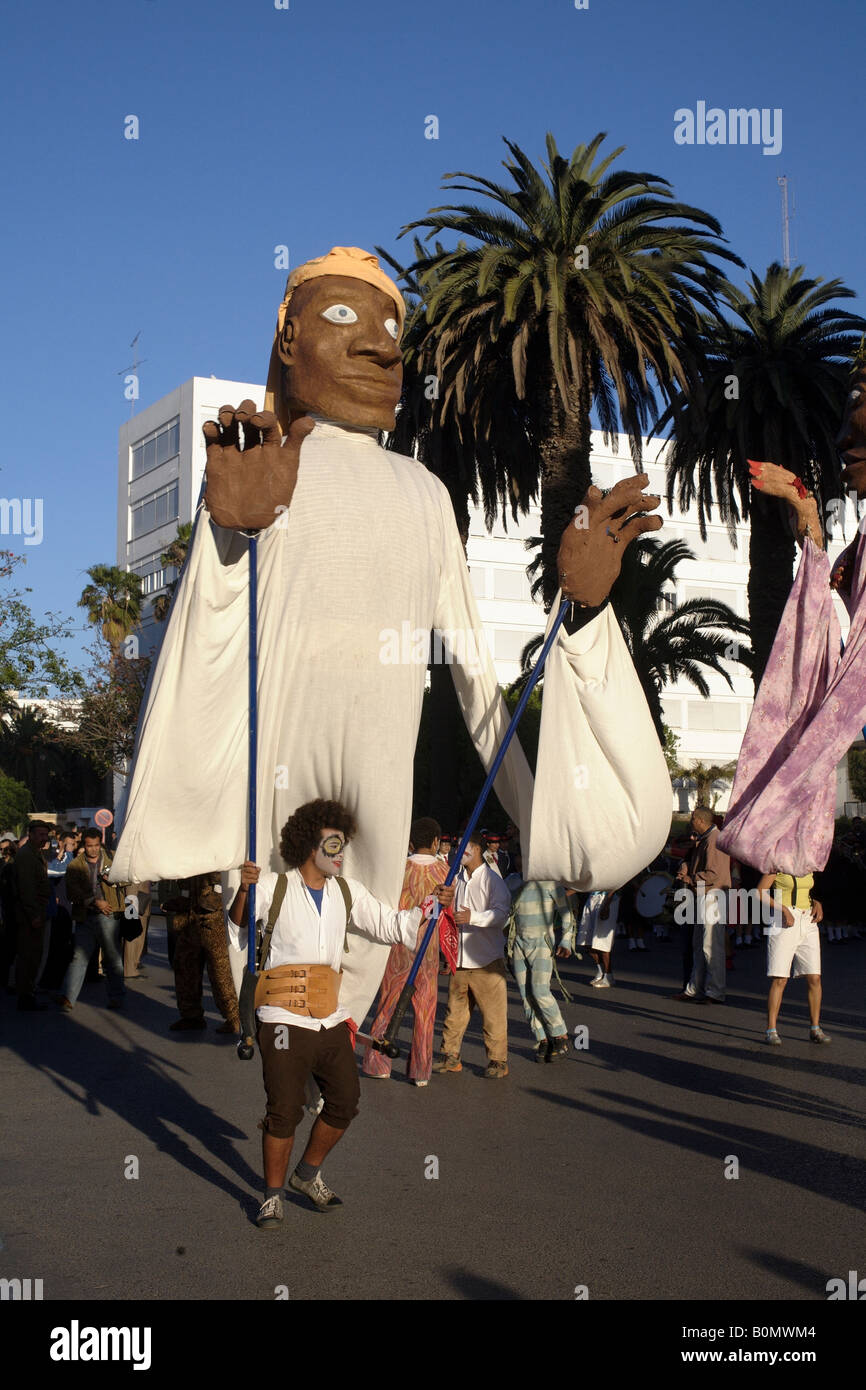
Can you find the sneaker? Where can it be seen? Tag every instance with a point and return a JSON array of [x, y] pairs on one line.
[[632, 944], [496, 1070], [448, 1062], [598, 974], [817, 1035], [559, 1047], [321, 1196], [641, 944], [64, 1005], [771, 1037], [270, 1216], [604, 983], [541, 1051], [420, 1083]]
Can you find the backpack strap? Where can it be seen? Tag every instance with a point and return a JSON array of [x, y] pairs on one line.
[[276, 904], [346, 893]]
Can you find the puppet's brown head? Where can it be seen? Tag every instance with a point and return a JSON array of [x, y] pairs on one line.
[[851, 440], [336, 350]]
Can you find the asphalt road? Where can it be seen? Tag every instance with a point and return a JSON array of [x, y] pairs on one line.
[[605, 1170]]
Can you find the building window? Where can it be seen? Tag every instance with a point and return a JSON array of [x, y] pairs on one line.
[[719, 545], [672, 713], [700, 715], [510, 584], [478, 580], [157, 449], [508, 643], [153, 575], [726, 716], [714, 716], [156, 510]]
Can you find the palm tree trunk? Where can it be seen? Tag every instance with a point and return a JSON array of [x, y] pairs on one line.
[[771, 560], [565, 475]]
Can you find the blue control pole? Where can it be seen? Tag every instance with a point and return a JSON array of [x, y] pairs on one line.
[[387, 1043], [247, 1000]]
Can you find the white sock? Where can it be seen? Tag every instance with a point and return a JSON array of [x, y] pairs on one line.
[[598, 970]]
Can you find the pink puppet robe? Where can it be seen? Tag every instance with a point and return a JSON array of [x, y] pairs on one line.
[[810, 707]]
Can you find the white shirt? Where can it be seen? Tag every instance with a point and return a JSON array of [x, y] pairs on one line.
[[489, 903], [304, 936]]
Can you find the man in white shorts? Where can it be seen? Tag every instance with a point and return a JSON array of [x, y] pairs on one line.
[[598, 925], [794, 941]]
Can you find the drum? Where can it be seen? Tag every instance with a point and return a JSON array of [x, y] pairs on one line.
[[652, 894]]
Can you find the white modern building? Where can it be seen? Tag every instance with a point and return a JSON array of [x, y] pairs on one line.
[[161, 461]]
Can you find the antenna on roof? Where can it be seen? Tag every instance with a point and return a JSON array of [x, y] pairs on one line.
[[782, 181], [131, 374]]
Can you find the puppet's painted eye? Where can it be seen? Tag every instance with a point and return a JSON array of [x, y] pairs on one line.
[[855, 394], [393, 329], [340, 313]]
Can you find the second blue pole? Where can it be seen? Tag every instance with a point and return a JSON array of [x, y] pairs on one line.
[[387, 1044]]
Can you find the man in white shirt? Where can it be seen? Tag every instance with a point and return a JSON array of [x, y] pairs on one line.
[[301, 1035], [482, 904]]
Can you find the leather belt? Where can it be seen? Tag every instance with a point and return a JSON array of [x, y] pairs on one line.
[[310, 990]]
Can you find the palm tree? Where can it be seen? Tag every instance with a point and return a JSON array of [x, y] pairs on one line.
[[113, 602], [172, 558], [666, 646], [574, 293], [29, 751], [768, 384], [704, 778]]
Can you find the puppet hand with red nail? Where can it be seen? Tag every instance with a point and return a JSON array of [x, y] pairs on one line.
[[775, 481], [592, 547], [250, 487]]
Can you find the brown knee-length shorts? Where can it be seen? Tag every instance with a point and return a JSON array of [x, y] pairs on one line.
[[290, 1056]]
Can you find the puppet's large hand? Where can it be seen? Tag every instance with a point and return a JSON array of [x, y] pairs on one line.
[[592, 547], [250, 488]]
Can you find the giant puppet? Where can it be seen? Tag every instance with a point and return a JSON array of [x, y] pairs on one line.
[[356, 545], [811, 703]]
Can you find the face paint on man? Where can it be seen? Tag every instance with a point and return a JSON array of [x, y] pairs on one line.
[[329, 855]]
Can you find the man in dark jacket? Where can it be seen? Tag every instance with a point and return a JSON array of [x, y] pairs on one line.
[[32, 892], [97, 910]]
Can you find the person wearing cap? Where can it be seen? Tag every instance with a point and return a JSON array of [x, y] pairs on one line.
[[355, 544]]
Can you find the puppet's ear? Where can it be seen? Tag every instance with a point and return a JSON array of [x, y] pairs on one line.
[[285, 342]]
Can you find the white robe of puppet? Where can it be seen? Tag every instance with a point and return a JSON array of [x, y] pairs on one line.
[[364, 563]]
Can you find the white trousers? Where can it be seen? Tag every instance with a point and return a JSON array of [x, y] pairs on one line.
[[708, 944]]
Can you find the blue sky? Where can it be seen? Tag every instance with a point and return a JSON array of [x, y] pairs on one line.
[[305, 127]]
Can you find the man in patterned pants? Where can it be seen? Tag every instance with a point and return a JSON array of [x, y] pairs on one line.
[[424, 872], [201, 941], [537, 904]]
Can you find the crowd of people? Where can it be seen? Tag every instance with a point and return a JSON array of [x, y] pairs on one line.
[[61, 916], [61, 921]]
